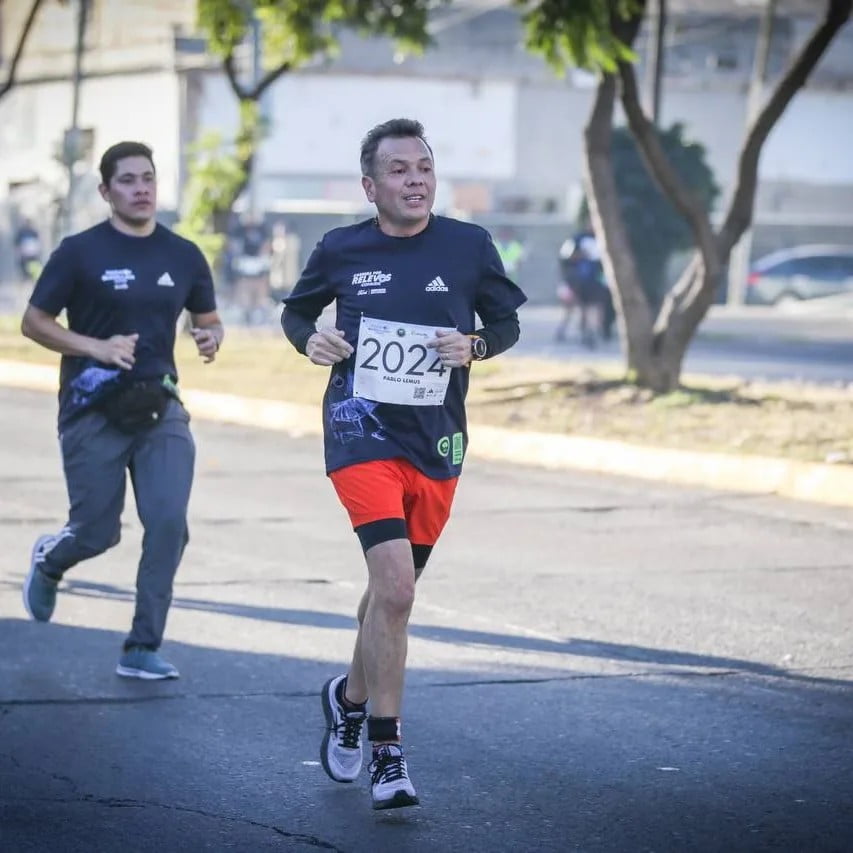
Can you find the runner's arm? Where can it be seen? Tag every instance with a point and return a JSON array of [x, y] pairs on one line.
[[297, 327], [500, 335], [43, 328]]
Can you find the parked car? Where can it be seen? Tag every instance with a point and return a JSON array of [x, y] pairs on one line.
[[805, 272]]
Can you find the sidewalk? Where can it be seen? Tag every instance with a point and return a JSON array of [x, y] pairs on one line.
[[821, 483]]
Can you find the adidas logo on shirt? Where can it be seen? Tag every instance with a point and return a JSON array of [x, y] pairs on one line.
[[437, 285], [165, 280]]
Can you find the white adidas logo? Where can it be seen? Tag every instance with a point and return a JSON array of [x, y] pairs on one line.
[[165, 280], [437, 285]]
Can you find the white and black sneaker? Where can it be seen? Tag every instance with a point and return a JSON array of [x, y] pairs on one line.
[[389, 777], [340, 752]]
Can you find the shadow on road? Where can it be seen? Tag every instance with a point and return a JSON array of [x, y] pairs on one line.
[[578, 647], [510, 752], [226, 758]]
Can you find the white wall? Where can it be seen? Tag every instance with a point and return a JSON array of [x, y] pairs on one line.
[[142, 107], [523, 138], [813, 140], [320, 120]]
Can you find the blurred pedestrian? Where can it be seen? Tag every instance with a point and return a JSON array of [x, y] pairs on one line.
[[583, 288], [407, 286], [252, 270], [28, 250], [123, 285], [510, 249]]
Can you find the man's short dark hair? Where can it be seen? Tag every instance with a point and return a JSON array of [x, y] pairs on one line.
[[110, 158], [397, 128]]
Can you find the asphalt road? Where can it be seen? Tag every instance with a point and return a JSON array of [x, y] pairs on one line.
[[753, 343], [596, 664]]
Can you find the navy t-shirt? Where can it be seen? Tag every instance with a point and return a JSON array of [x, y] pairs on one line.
[[440, 277], [111, 283]]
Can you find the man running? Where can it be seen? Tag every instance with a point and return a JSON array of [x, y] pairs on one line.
[[408, 288], [122, 284]]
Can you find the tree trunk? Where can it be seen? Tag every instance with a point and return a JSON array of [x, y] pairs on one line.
[[656, 349], [685, 305], [653, 360], [633, 311]]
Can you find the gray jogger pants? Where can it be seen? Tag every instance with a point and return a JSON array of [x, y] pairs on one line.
[[161, 461]]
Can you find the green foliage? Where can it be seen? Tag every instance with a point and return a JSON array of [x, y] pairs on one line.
[[577, 33], [655, 228], [215, 178], [682, 398], [295, 31]]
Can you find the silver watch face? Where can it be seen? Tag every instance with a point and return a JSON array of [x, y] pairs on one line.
[[478, 346]]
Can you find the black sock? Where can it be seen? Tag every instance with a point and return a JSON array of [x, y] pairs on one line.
[[340, 695], [384, 730]]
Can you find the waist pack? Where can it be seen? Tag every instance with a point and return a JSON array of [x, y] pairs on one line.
[[136, 406]]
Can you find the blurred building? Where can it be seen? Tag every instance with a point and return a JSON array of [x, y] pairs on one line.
[[507, 133]]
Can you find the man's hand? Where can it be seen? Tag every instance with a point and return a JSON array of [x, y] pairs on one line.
[[327, 346], [453, 348], [118, 351], [207, 342]]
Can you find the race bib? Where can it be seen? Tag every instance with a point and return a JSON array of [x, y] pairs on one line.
[[393, 364]]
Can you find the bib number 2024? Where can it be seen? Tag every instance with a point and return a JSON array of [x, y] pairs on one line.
[[394, 365]]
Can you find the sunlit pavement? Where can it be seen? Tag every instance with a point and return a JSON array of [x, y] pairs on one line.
[[595, 664]]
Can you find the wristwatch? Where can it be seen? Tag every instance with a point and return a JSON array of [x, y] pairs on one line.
[[478, 347]]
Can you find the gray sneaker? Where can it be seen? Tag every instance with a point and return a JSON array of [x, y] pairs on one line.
[[389, 776], [340, 751], [40, 589], [138, 662]]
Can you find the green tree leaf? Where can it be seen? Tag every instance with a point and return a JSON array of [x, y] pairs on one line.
[[577, 33], [294, 32]]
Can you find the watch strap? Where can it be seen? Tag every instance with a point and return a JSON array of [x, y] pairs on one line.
[[479, 348]]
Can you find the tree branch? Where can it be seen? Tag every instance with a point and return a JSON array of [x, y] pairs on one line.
[[739, 214], [646, 136], [230, 68], [19, 50], [269, 78], [251, 93]]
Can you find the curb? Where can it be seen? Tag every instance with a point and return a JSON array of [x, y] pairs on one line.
[[806, 481]]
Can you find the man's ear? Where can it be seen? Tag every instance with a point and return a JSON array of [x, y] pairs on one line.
[[103, 189], [369, 188]]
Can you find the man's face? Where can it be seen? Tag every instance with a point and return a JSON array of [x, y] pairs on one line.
[[403, 186], [132, 191]]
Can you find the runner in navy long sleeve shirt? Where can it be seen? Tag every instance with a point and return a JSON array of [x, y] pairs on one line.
[[409, 289]]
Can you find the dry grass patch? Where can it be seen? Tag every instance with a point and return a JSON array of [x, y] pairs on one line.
[[790, 420], [798, 421]]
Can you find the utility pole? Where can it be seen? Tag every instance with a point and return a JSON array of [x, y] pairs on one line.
[[257, 70], [740, 257], [655, 59], [72, 143]]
